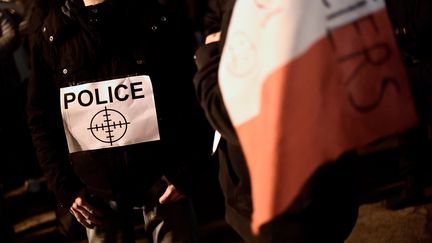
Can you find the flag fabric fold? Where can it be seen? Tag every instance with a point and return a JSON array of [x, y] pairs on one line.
[[305, 81]]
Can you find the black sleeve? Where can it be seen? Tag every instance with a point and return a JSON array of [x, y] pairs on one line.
[[206, 79], [208, 92], [184, 129], [212, 17], [45, 123]]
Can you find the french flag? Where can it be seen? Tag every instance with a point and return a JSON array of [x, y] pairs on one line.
[[305, 81]]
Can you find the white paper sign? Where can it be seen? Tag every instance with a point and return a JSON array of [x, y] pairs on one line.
[[109, 113]]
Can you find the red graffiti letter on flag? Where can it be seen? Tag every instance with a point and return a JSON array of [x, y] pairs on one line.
[[305, 81]]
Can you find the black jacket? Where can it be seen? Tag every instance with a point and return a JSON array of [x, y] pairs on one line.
[[76, 45], [233, 173]]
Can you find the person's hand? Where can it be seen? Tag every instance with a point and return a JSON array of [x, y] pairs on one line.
[[171, 194], [214, 37], [85, 213]]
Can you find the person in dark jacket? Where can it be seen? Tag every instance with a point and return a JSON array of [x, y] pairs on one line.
[[324, 211], [113, 115]]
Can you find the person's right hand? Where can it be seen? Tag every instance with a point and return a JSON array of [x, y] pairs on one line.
[[85, 213]]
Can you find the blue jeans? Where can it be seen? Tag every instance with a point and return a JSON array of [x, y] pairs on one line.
[[170, 223]]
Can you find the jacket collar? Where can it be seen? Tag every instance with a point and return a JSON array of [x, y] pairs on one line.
[[65, 18]]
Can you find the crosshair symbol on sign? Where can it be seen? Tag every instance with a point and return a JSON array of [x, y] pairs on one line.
[[108, 126]]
